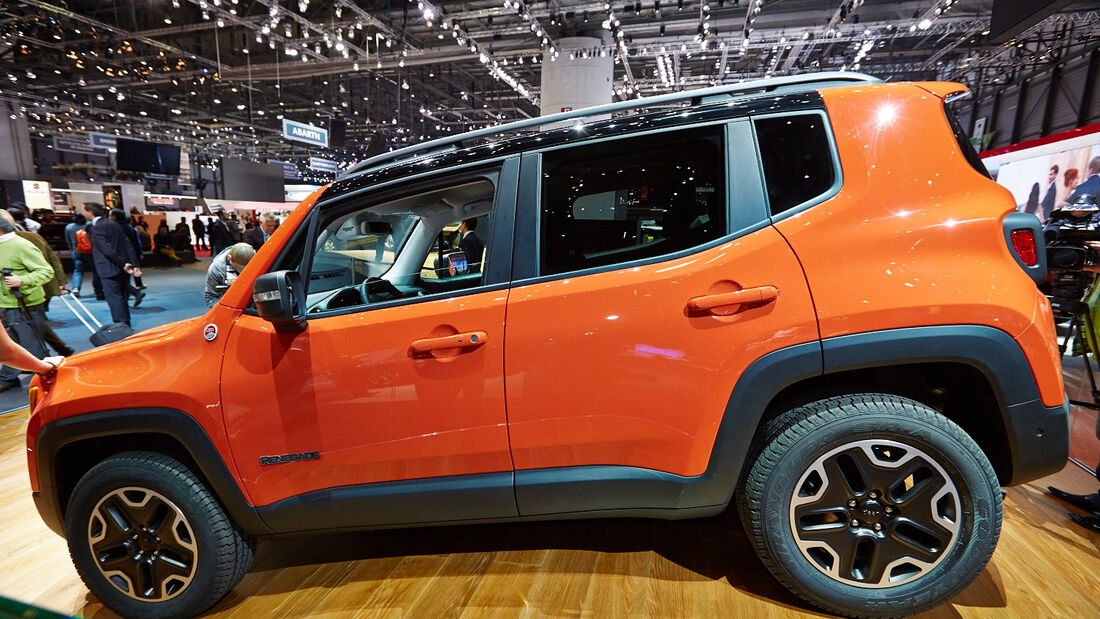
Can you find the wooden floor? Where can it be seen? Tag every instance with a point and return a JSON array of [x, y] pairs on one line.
[[1045, 566]]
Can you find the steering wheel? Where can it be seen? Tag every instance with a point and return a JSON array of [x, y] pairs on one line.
[[348, 296], [376, 290]]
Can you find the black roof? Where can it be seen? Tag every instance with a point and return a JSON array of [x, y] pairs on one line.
[[701, 113]]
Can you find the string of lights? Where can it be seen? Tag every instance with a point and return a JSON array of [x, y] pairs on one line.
[[434, 17]]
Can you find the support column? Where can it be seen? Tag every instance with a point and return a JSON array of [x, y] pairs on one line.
[[1021, 112], [1090, 84], [16, 157], [578, 82]]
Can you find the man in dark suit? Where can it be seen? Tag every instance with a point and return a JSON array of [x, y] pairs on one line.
[[115, 261], [1052, 190], [257, 235], [218, 231], [199, 228], [1091, 186], [470, 244]]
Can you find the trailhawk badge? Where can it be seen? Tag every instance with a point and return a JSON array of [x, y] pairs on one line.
[[210, 332]]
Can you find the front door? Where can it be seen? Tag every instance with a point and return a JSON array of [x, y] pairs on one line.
[[658, 280], [398, 377]]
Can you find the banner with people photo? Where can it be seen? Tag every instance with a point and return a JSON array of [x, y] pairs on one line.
[[1050, 175]]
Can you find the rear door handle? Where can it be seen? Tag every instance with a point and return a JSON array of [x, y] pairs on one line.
[[760, 295], [469, 339]]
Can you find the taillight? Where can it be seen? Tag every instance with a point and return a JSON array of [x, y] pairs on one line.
[[1023, 241]]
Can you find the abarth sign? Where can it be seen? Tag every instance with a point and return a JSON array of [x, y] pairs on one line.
[[305, 133]]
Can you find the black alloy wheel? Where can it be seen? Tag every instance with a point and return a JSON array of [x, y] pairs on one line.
[[150, 540], [875, 513], [870, 505], [142, 544]]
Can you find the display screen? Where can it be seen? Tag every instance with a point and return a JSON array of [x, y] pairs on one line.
[[251, 180], [148, 157]]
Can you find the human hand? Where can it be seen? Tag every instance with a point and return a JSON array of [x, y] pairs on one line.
[[129, 268], [52, 363], [13, 281], [135, 272]]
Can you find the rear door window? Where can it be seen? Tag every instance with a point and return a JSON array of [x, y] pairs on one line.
[[798, 160], [622, 200]]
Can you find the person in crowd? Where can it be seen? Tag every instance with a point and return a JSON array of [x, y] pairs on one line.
[[119, 216], [162, 244], [1091, 185], [234, 228], [24, 319], [1032, 204], [24, 218], [258, 235], [220, 238], [224, 269], [114, 259], [1087, 502], [53, 288], [470, 244], [19, 217], [80, 246], [1049, 197], [199, 228], [145, 242], [181, 237]]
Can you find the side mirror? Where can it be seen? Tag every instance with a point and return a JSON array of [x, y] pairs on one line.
[[280, 299]]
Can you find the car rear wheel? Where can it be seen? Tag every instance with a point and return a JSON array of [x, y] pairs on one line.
[[149, 540], [871, 505]]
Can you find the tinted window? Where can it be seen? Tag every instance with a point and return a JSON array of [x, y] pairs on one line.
[[417, 245], [629, 199], [798, 163], [965, 144]]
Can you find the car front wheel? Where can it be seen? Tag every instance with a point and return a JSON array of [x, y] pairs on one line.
[[871, 505], [149, 540]]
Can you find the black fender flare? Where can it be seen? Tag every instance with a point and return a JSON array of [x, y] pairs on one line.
[[172, 423]]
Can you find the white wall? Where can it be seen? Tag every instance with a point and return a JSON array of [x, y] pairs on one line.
[[576, 83]]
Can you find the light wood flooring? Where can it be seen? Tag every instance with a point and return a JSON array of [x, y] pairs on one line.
[[1045, 566]]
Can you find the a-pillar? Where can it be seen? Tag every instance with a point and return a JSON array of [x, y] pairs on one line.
[[16, 158], [583, 80]]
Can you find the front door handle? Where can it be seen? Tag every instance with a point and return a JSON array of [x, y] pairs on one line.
[[760, 295], [469, 339]]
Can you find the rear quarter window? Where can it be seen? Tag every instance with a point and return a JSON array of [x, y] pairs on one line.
[[965, 145], [797, 159]]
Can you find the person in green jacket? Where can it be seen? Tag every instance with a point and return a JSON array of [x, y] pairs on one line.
[[55, 287], [29, 272]]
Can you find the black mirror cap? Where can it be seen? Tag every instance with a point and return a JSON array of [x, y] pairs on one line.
[[280, 298]]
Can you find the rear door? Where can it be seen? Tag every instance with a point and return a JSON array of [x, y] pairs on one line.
[[653, 279]]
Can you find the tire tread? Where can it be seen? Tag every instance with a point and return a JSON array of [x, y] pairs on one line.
[[788, 428]]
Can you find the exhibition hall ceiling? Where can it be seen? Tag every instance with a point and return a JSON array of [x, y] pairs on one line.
[[221, 75]]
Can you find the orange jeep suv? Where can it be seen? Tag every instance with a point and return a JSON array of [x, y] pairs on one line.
[[802, 295]]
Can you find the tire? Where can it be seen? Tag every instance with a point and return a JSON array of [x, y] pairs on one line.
[[151, 506], [871, 505]]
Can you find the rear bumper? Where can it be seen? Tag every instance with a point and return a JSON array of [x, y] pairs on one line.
[[1039, 439]]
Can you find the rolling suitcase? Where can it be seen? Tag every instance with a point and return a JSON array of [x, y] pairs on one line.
[[100, 334]]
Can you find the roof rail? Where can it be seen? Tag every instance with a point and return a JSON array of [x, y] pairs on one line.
[[792, 83]]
